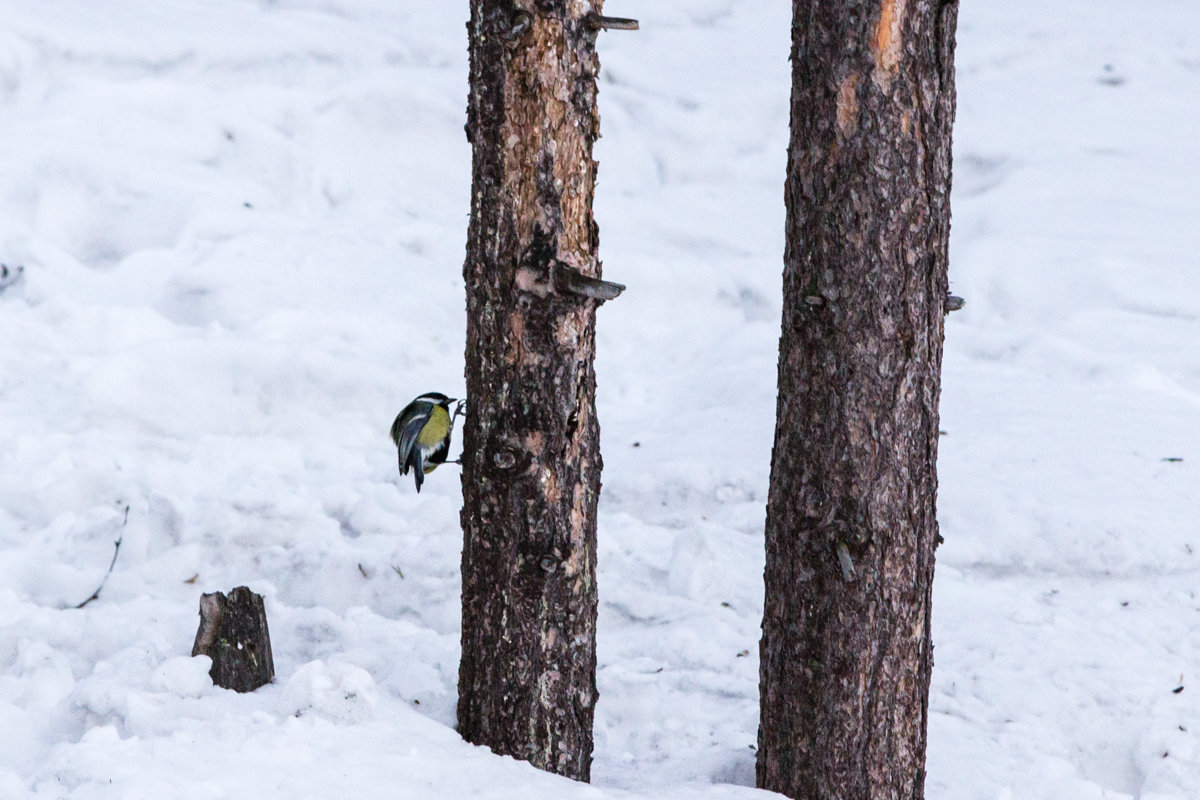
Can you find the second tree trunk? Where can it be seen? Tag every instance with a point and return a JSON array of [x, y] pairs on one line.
[[851, 525]]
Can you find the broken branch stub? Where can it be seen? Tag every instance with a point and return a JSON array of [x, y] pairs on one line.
[[233, 633], [575, 282], [598, 22]]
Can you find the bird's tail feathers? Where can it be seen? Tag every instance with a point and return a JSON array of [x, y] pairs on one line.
[[417, 464]]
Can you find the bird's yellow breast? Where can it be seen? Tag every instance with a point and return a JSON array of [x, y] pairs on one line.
[[435, 429]]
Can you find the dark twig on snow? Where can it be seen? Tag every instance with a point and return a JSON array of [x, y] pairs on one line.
[[9, 275], [113, 563]]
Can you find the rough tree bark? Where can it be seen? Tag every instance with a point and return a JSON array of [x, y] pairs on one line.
[[531, 455], [233, 633], [851, 525]]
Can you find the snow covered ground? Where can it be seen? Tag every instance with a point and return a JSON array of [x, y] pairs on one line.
[[243, 226]]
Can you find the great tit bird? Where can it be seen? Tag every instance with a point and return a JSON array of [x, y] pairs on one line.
[[422, 434]]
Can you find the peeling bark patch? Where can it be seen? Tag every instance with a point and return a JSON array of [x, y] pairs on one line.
[[888, 42], [566, 333], [534, 442], [531, 282], [516, 329], [549, 487], [847, 105], [574, 564]]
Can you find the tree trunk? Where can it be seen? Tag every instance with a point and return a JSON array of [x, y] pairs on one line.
[[531, 458], [851, 525]]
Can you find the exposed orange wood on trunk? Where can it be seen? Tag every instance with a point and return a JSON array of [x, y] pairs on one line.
[[888, 41]]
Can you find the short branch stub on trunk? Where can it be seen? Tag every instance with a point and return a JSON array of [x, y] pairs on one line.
[[599, 22], [233, 633], [575, 282]]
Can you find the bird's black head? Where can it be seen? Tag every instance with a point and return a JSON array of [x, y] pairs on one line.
[[437, 398]]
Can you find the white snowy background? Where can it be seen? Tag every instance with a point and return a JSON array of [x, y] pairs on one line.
[[243, 225]]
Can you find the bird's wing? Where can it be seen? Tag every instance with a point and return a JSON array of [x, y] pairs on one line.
[[405, 433]]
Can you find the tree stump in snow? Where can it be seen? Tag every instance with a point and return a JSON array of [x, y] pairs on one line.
[[233, 633]]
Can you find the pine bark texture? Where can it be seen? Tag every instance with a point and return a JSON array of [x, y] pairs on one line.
[[531, 458], [233, 633], [851, 524]]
